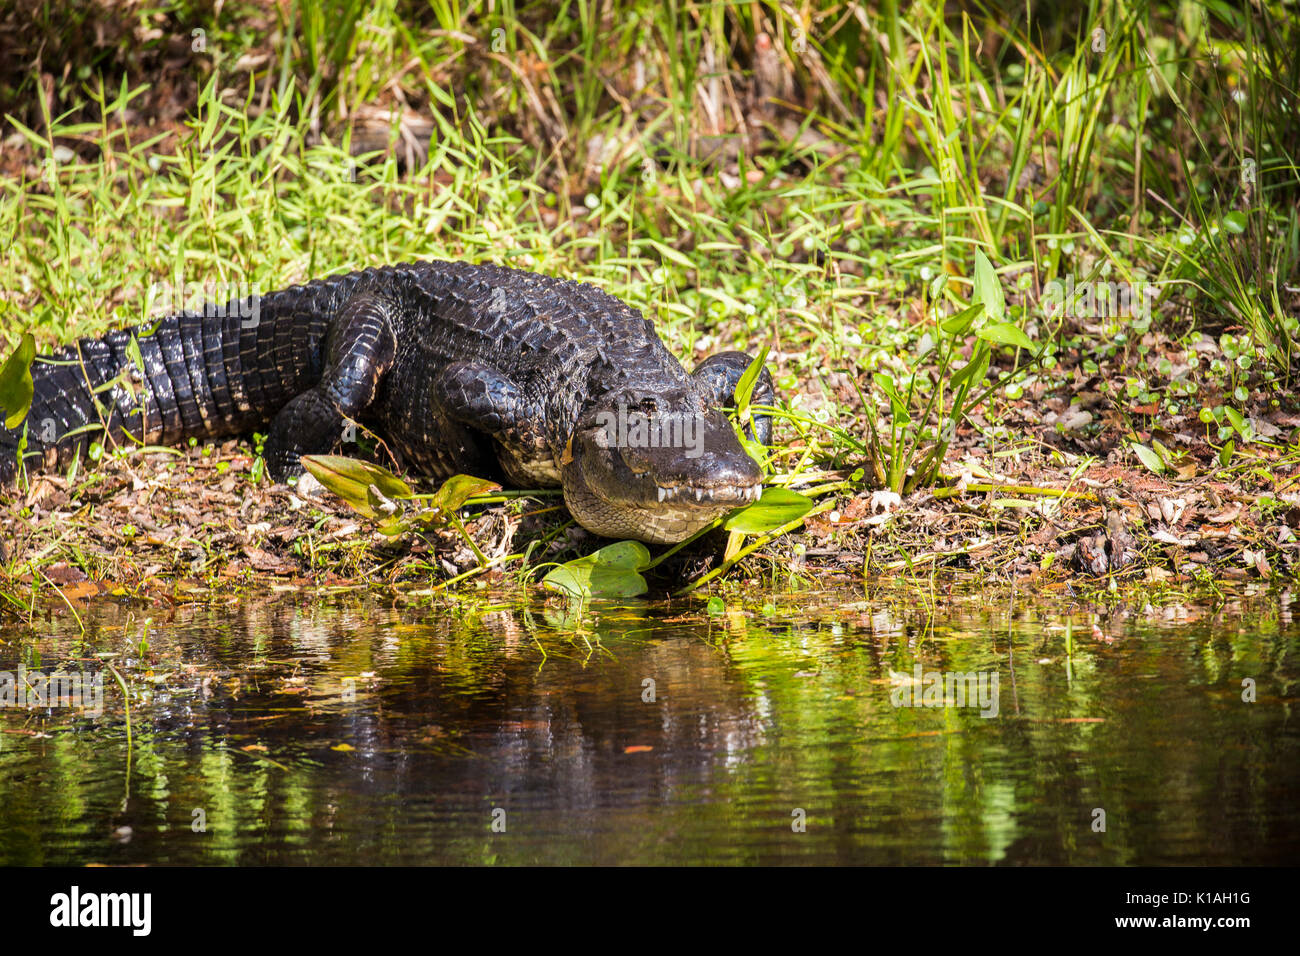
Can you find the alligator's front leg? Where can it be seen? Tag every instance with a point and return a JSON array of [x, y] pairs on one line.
[[478, 397], [359, 349], [717, 377]]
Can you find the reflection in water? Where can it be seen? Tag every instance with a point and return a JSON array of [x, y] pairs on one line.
[[298, 728]]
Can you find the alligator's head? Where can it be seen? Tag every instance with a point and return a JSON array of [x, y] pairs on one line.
[[655, 466]]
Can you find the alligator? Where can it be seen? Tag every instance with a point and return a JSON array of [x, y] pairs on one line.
[[530, 380]]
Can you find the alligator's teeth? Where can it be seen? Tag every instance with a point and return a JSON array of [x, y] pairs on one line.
[[729, 493]]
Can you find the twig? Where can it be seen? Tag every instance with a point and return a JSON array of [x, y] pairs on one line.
[[1017, 490]]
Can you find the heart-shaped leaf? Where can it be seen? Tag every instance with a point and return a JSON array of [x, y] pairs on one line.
[[613, 571]]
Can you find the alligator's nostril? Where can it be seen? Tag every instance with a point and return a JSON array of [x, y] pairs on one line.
[[737, 470]]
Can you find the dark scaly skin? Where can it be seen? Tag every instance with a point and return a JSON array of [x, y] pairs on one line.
[[461, 368]]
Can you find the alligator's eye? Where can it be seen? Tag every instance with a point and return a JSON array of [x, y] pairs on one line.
[[648, 406]]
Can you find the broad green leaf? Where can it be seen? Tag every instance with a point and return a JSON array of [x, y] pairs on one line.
[[613, 571], [885, 382], [1235, 419], [960, 322], [351, 480], [458, 489], [1225, 454], [1149, 458], [16, 389], [988, 288], [745, 387], [1005, 333], [754, 449], [450, 498], [777, 507]]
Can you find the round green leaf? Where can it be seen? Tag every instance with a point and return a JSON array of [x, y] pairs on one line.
[[613, 571]]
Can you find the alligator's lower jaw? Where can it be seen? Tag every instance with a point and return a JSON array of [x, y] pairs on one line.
[[669, 521], [655, 528]]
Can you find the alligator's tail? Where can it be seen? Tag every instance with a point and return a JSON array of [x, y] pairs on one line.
[[91, 392], [8, 456], [187, 375]]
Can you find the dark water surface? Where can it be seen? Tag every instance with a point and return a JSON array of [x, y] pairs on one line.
[[308, 728]]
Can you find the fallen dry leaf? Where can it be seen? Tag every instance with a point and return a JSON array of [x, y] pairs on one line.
[[1228, 514], [83, 589]]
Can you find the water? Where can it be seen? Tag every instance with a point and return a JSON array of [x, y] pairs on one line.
[[298, 728]]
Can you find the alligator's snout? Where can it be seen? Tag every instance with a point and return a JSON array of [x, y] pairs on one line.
[[722, 476], [656, 467]]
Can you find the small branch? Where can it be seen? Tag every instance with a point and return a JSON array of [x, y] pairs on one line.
[[1016, 490]]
